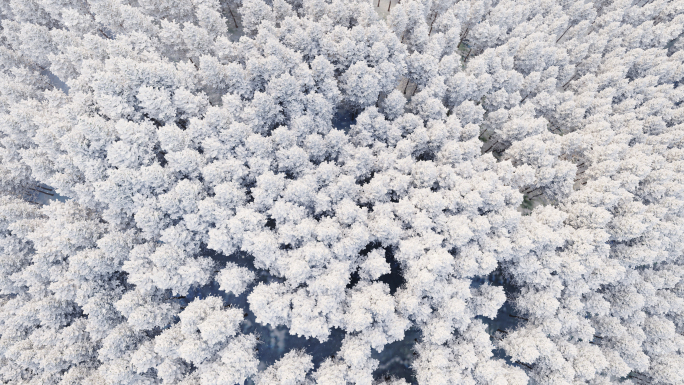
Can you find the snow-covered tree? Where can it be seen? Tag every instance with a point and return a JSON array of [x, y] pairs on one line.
[[319, 166]]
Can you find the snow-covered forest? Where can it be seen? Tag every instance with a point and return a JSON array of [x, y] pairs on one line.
[[338, 192]]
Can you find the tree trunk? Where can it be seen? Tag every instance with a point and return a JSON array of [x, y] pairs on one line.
[[468, 55], [568, 82], [378, 3], [389, 5], [234, 21], [40, 191], [464, 36], [433, 22], [561, 36], [491, 147], [193, 62], [407, 83]]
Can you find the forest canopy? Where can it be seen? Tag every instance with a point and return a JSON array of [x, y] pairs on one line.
[[179, 178]]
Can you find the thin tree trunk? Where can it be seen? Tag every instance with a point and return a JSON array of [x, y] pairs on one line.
[[528, 94], [468, 55], [378, 3], [414, 90], [402, 36], [40, 191], [561, 36], [193, 62], [464, 36], [557, 129], [568, 82], [502, 331], [433, 22], [491, 147], [389, 5], [407, 83], [234, 21]]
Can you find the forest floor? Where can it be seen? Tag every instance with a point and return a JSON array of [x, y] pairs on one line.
[[384, 9]]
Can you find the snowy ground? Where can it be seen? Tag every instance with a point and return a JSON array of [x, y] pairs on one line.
[[233, 17], [343, 120], [382, 10], [42, 195], [57, 82]]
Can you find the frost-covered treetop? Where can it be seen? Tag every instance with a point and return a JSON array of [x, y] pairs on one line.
[[503, 179]]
